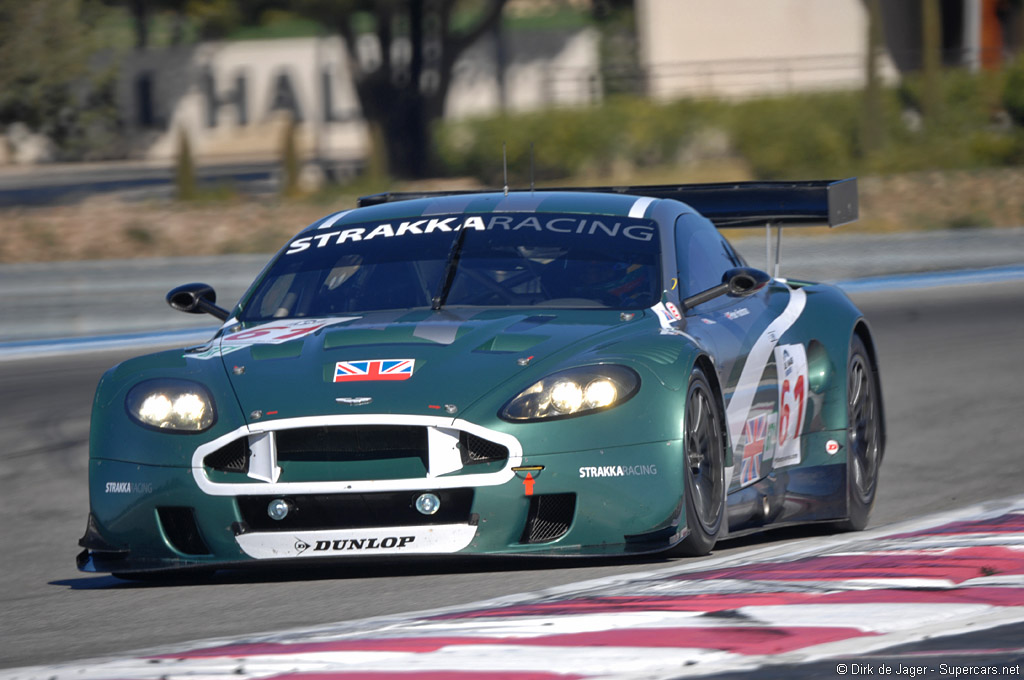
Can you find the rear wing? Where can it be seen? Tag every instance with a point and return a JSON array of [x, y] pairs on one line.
[[726, 204]]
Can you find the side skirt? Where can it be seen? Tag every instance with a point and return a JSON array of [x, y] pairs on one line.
[[789, 496]]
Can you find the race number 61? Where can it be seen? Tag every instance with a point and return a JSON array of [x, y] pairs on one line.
[[791, 364]]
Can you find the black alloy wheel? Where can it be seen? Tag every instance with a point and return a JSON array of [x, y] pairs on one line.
[[703, 468], [864, 455]]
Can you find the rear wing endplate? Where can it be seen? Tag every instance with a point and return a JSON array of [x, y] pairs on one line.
[[726, 204]]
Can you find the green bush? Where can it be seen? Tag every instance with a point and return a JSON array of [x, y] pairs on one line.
[[569, 142], [792, 137], [1013, 90], [799, 137]]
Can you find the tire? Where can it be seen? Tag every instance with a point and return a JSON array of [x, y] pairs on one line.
[[703, 468], [865, 444]]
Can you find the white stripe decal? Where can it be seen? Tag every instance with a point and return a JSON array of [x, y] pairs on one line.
[[330, 221], [743, 396], [640, 207]]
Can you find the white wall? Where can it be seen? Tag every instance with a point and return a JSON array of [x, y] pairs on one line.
[[272, 70], [752, 47], [688, 47], [549, 69]]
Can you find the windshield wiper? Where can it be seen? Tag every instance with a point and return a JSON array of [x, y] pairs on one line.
[[449, 271]]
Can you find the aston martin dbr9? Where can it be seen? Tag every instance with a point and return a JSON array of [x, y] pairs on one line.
[[556, 372]]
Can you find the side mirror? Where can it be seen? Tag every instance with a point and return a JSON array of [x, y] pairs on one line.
[[196, 298], [738, 282], [744, 281]]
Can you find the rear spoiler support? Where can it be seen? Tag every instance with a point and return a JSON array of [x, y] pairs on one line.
[[768, 247]]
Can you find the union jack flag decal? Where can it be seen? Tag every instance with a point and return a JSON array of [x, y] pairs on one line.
[[754, 434], [373, 369]]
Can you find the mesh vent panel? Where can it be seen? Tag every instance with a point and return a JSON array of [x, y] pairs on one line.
[[180, 528], [366, 442], [232, 458], [550, 517], [478, 450]]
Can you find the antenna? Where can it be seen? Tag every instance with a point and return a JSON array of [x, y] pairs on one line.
[[504, 165], [531, 167]]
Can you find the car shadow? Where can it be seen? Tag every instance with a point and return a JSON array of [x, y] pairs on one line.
[[370, 567], [356, 568], [771, 535]]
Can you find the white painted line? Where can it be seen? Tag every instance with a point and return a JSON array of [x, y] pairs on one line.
[[897, 282], [64, 346]]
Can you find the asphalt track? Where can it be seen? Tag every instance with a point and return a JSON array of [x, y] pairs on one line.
[[953, 380]]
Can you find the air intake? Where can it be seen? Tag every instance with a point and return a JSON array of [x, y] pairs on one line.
[[549, 518], [231, 458], [181, 530], [478, 450]]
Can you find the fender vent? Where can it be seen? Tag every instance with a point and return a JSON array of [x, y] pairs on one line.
[[549, 518], [181, 530]]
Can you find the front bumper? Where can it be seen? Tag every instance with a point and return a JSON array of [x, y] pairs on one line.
[[501, 499]]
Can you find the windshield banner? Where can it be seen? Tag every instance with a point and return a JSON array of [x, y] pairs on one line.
[[582, 225]]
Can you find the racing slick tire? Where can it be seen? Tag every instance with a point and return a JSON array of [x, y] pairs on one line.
[[864, 453], [703, 468]]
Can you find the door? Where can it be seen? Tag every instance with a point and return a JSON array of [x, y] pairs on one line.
[[764, 383]]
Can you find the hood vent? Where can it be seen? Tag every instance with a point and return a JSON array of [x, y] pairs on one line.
[[511, 342]]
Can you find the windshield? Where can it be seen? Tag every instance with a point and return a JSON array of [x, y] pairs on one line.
[[502, 259]]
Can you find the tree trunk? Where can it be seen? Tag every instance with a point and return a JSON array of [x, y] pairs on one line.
[[931, 59], [401, 99], [872, 83]]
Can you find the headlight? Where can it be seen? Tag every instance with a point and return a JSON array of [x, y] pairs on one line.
[[573, 392], [178, 405]]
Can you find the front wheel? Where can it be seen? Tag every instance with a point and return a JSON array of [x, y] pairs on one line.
[[864, 456], [703, 468]]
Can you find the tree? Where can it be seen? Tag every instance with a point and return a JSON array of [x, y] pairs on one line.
[[48, 81], [931, 58], [41, 56], [185, 182], [402, 90]]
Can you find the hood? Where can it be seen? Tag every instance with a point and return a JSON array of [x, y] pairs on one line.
[[419, 363]]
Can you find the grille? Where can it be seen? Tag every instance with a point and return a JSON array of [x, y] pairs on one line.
[[549, 518], [356, 511], [478, 450], [231, 458], [341, 444], [353, 453], [181, 530]]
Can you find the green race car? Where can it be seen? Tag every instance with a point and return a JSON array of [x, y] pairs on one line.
[[549, 372]]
